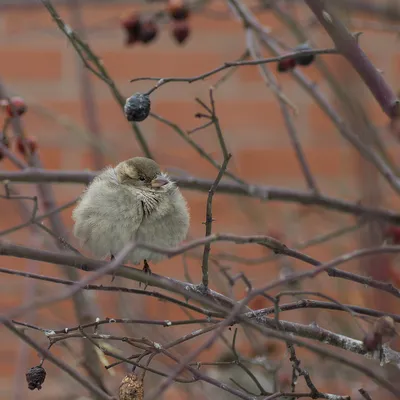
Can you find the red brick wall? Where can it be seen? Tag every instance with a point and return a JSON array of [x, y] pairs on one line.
[[37, 62]]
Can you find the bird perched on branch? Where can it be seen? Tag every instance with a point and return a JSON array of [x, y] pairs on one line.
[[134, 201]]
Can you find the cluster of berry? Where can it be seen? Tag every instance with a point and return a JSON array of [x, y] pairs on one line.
[[16, 107], [143, 30], [304, 60]]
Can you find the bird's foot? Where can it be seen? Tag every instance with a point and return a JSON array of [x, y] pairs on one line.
[[146, 269], [113, 274]]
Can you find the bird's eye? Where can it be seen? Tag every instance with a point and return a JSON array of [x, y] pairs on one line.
[[142, 178]]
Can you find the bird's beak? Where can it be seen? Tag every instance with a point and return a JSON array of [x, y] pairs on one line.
[[158, 182]]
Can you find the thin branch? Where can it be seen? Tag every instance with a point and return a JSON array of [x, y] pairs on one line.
[[163, 81], [4, 150], [348, 46], [186, 137], [118, 289], [271, 80], [39, 218], [209, 221], [270, 193], [209, 299], [92, 388], [90, 110], [83, 306], [307, 303], [265, 37], [365, 394], [88, 264], [86, 54], [324, 296], [111, 321], [271, 333]]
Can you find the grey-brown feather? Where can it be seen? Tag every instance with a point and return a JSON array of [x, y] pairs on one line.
[[110, 213]]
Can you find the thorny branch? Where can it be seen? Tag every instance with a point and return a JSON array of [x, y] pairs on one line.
[[347, 45]]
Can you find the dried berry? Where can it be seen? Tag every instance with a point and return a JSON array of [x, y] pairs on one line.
[[286, 65], [137, 107], [132, 25], [148, 31], [304, 60], [131, 388], [180, 31], [178, 10], [35, 377], [31, 143], [16, 106]]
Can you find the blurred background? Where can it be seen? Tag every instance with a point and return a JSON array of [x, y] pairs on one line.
[[78, 125]]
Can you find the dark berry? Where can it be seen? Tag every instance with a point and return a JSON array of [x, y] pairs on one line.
[[35, 377], [178, 10], [286, 65], [180, 31], [148, 31], [132, 26], [137, 107], [304, 60], [16, 106]]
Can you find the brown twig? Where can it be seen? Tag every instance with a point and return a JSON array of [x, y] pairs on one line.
[[348, 46], [273, 82], [87, 56], [163, 81], [92, 388], [270, 193], [209, 221]]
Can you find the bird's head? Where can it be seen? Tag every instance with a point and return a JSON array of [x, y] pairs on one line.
[[142, 173]]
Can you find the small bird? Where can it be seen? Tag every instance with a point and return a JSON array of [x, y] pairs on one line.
[[133, 201]]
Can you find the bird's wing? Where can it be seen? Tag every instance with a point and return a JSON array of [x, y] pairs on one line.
[[106, 215]]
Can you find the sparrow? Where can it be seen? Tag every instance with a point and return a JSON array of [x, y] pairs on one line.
[[134, 201]]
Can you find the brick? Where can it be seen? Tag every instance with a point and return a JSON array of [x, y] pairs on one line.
[[16, 21], [203, 23], [243, 118], [322, 129], [111, 117], [249, 115], [186, 159], [276, 164], [30, 64]]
